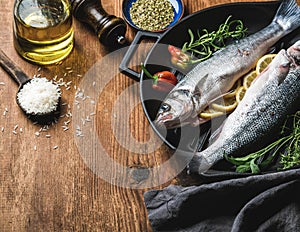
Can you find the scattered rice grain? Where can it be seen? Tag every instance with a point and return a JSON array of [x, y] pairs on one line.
[[44, 128], [67, 122], [78, 131]]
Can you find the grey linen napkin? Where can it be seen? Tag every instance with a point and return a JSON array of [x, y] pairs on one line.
[[268, 202]]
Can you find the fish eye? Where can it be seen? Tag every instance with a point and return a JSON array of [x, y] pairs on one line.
[[285, 66], [165, 107]]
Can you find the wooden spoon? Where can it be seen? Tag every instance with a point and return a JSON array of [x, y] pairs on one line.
[[22, 79]]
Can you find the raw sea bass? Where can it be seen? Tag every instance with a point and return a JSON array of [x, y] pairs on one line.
[[214, 77], [272, 96]]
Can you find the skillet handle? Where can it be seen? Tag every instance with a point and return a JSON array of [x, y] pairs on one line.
[[140, 36]]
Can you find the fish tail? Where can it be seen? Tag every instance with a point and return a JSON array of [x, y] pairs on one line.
[[288, 15]]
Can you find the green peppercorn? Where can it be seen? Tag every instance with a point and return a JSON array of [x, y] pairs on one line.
[[152, 15]]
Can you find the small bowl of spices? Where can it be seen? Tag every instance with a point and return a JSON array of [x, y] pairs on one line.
[[152, 15]]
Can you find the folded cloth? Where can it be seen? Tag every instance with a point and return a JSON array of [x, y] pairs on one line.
[[268, 202]]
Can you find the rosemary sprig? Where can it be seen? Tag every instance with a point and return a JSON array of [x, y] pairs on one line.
[[256, 161], [209, 42]]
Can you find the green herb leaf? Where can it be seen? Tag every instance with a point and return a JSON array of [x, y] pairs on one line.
[[208, 42], [254, 167], [243, 168], [289, 143]]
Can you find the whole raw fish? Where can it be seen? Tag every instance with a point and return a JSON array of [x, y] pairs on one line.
[[214, 77], [265, 106]]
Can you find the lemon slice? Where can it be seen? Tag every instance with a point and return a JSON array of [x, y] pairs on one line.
[[210, 113], [234, 89], [263, 62], [248, 78], [227, 105], [240, 94], [230, 101]]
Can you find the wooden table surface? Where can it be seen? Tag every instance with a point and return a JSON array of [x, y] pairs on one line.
[[45, 183]]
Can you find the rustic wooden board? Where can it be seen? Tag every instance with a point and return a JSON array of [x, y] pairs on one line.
[[44, 183]]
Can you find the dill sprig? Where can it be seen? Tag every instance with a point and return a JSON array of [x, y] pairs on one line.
[[209, 42], [290, 143]]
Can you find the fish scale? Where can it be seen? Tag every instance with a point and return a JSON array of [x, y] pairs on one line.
[[264, 108], [214, 77]]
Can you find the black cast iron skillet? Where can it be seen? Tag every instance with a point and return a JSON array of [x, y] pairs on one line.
[[255, 16]]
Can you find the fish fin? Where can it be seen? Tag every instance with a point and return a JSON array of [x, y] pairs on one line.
[[262, 73], [281, 78], [288, 15], [201, 83], [198, 164], [215, 135], [198, 121], [217, 98], [196, 93]]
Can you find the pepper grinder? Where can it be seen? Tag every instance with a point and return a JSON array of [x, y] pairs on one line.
[[109, 28]]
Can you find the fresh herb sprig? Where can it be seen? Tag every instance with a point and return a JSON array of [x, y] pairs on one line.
[[290, 143], [291, 157], [209, 42]]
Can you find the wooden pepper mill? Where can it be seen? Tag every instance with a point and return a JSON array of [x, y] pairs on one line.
[[109, 28]]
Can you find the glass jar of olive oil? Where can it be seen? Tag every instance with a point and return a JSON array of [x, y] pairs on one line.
[[43, 32]]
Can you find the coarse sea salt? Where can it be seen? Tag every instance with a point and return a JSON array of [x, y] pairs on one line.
[[39, 96]]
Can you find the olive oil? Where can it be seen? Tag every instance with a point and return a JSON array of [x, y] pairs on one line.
[[43, 31]]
